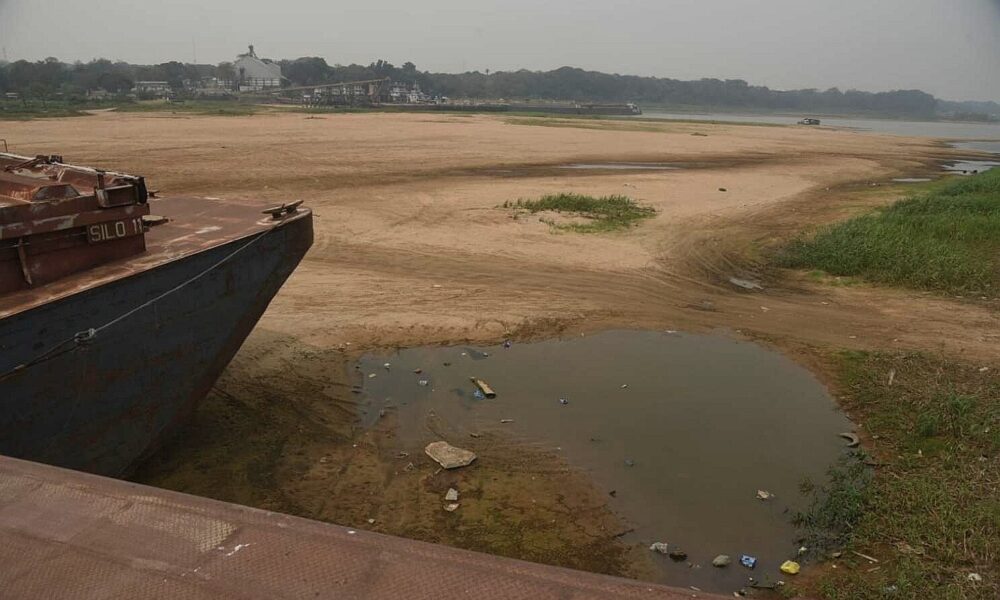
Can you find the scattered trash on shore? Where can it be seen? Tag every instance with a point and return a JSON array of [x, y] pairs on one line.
[[563, 401], [748, 561], [870, 559], [660, 547], [790, 567], [892, 376], [764, 495], [505, 421], [905, 548], [451, 495], [746, 284], [975, 577], [721, 561], [423, 382], [449, 456], [451, 507], [852, 439], [629, 463], [483, 387]]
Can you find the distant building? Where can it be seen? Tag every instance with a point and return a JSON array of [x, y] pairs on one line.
[[406, 94], [154, 89], [254, 74]]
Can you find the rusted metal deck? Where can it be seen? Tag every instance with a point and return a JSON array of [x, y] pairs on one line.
[[67, 534], [193, 225]]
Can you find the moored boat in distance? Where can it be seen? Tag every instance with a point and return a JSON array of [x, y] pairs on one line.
[[118, 311]]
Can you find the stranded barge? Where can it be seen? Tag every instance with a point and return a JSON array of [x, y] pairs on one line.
[[119, 311]]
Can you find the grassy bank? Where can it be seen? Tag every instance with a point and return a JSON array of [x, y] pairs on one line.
[[947, 239], [194, 107], [11, 110], [606, 213], [929, 510]]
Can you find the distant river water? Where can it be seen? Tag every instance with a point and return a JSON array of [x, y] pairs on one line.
[[933, 129], [979, 137]]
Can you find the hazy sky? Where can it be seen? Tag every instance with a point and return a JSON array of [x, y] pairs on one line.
[[950, 48]]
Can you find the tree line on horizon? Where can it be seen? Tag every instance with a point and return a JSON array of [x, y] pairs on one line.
[[51, 78]]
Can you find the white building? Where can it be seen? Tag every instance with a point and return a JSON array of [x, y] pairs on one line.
[[154, 89], [254, 74]]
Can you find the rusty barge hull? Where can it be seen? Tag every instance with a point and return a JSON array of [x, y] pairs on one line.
[[95, 370]]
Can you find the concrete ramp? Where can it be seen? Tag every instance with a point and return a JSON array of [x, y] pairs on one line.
[[66, 534]]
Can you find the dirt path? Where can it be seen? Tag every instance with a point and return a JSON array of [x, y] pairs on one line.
[[411, 248]]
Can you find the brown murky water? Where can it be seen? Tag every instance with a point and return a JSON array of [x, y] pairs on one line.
[[679, 430]]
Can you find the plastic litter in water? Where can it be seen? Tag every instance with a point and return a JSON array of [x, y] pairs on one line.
[[790, 567], [748, 561]]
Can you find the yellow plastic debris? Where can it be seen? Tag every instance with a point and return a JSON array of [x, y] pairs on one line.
[[790, 567]]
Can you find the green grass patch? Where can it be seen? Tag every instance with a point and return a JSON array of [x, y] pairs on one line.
[[606, 213], [947, 239], [15, 110], [226, 108], [929, 510]]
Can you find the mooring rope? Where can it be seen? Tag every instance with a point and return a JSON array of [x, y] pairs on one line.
[[83, 338]]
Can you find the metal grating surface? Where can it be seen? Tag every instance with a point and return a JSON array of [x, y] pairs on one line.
[[65, 534]]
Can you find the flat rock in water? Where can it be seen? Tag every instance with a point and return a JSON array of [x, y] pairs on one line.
[[660, 547], [721, 560], [449, 456]]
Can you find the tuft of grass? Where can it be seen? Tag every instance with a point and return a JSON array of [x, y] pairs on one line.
[[930, 509], [837, 507], [947, 240], [606, 213]]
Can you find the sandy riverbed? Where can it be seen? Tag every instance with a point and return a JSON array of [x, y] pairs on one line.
[[411, 248]]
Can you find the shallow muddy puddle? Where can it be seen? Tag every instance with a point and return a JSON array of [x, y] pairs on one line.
[[971, 167], [678, 432]]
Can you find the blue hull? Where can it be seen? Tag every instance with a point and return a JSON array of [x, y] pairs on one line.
[[102, 405]]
